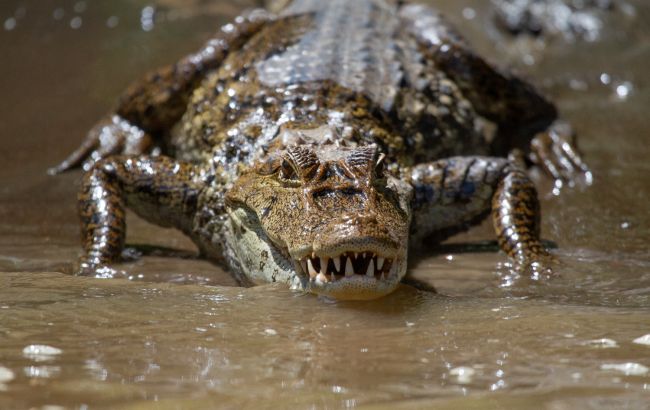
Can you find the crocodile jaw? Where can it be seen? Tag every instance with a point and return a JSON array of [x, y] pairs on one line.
[[352, 275], [340, 274]]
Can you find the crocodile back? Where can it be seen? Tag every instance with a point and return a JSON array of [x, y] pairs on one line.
[[340, 65], [351, 43]]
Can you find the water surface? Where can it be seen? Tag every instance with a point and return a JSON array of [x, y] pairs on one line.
[[182, 335]]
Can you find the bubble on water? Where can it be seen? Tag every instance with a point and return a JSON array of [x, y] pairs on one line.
[[112, 22], [80, 7], [605, 78], [602, 343], [643, 340], [469, 13], [578, 85], [147, 18], [10, 24], [629, 369], [76, 22], [58, 14], [6, 375], [623, 90], [270, 332], [625, 225], [20, 12], [528, 59], [40, 353], [463, 374]]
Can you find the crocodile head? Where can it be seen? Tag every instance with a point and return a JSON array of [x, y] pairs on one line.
[[325, 218]]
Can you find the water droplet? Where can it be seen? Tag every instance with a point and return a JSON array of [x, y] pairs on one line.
[[6, 375], [578, 85], [147, 18], [80, 7], [528, 59], [469, 13], [58, 14], [10, 24], [270, 332], [76, 22], [112, 22], [20, 12], [605, 78], [624, 90]]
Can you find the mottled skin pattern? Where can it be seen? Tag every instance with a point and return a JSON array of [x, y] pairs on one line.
[[316, 147]]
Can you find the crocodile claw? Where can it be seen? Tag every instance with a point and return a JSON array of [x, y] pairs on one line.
[[555, 152]]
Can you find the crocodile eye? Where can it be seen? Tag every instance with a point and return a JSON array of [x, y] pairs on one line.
[[287, 172]]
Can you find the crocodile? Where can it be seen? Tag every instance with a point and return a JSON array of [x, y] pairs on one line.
[[314, 147]]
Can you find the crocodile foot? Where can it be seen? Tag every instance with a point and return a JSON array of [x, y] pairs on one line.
[[554, 151]]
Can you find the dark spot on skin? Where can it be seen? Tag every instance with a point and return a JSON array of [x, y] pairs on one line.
[[467, 189], [423, 194], [265, 254]]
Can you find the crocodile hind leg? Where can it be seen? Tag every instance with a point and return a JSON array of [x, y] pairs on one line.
[[149, 108], [455, 193], [158, 189], [517, 108]]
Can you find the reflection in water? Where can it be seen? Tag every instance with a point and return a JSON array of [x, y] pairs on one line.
[[181, 335]]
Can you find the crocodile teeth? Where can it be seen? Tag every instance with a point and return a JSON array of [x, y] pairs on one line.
[[380, 263], [323, 264], [321, 278], [349, 270], [337, 264], [310, 268], [370, 272]]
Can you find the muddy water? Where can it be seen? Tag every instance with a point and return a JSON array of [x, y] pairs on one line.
[[180, 335]]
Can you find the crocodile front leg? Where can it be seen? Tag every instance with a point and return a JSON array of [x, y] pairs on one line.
[[455, 193], [158, 189], [149, 108]]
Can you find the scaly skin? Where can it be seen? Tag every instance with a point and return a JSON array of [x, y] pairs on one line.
[[314, 148]]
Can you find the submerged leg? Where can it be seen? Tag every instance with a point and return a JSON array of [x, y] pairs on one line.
[[455, 193], [518, 109], [149, 108], [158, 189]]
